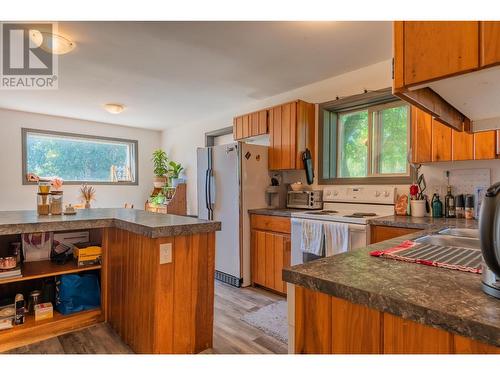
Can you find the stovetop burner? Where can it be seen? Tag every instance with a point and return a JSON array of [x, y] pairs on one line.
[[324, 212], [361, 214]]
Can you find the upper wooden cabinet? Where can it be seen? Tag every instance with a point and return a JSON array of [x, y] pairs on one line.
[[432, 62], [291, 131], [432, 141], [489, 43], [436, 49], [250, 125], [462, 145], [421, 133]]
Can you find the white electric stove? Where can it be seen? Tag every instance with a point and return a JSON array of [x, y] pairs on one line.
[[351, 205]]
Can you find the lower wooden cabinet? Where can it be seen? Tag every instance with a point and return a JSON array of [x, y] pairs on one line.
[[270, 252], [329, 325], [379, 233]]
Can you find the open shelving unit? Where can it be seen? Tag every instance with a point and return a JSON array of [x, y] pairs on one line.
[[45, 268], [43, 329], [32, 275]]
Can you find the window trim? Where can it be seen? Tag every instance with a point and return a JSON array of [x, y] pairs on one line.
[[350, 104], [24, 150]]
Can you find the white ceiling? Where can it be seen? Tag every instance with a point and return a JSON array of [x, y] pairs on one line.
[[172, 73]]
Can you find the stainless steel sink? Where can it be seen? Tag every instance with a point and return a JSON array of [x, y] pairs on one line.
[[469, 233], [448, 240]]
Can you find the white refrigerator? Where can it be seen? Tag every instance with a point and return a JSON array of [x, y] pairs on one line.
[[232, 179]]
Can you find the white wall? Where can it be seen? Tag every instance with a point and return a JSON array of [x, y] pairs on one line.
[[181, 142], [15, 196]]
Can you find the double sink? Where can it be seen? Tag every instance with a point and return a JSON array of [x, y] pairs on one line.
[[454, 237]]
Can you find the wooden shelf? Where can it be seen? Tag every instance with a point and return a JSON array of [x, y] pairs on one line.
[[33, 331], [45, 268]]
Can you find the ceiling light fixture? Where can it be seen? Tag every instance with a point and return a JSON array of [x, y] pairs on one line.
[[114, 108], [52, 43]]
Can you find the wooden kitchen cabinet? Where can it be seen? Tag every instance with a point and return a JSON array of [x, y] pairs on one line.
[[250, 125], [441, 141], [489, 43], [462, 145], [291, 132], [485, 145], [270, 251], [428, 50], [379, 233], [421, 134], [326, 324]]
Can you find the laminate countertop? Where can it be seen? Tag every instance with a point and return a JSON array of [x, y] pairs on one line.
[[447, 299], [148, 224], [424, 223]]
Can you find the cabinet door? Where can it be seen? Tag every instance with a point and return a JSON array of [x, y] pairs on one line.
[[246, 126], [462, 145], [441, 141], [421, 127], [305, 138], [262, 122], [490, 46], [238, 128], [282, 130], [403, 336], [485, 145], [258, 254], [254, 124], [435, 49]]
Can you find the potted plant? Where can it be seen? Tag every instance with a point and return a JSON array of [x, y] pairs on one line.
[[175, 172], [158, 199], [160, 168], [87, 193]]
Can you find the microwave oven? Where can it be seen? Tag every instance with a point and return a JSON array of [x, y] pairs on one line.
[[309, 200]]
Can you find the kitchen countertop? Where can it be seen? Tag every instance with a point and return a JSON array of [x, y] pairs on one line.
[[428, 223], [147, 224], [447, 299], [284, 212]]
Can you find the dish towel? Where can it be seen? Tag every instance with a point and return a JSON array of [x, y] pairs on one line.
[[312, 237], [336, 238]]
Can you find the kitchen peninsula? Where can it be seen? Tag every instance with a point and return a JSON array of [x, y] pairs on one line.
[[354, 303], [156, 278]]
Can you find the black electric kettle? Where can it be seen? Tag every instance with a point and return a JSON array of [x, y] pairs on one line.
[[489, 234]]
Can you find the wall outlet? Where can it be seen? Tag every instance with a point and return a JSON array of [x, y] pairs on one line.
[[165, 253]]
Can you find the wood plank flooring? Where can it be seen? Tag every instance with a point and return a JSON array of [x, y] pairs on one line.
[[231, 334]]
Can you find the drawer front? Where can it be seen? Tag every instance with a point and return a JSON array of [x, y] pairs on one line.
[[270, 223]]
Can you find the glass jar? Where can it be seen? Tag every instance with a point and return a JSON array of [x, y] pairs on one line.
[[44, 186], [43, 207], [56, 202]]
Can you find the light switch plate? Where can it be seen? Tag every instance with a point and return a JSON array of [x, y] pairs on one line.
[[165, 253]]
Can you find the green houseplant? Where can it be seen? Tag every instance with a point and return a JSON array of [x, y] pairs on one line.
[[174, 172], [160, 168]]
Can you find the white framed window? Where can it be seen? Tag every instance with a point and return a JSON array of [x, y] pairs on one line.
[[78, 158]]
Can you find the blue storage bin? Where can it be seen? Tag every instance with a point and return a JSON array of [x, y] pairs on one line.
[[77, 292]]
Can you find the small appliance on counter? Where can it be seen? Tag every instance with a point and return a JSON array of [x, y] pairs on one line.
[[308, 200], [276, 193], [489, 234]]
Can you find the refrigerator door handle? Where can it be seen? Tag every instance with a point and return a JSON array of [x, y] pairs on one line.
[[206, 189]]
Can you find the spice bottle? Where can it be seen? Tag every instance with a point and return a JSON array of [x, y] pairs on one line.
[[19, 307], [469, 206], [460, 206]]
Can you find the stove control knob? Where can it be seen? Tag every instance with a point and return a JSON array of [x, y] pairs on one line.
[[377, 194], [335, 193], [386, 194]]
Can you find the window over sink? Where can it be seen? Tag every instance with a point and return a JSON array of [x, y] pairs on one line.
[[78, 158], [365, 139]]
